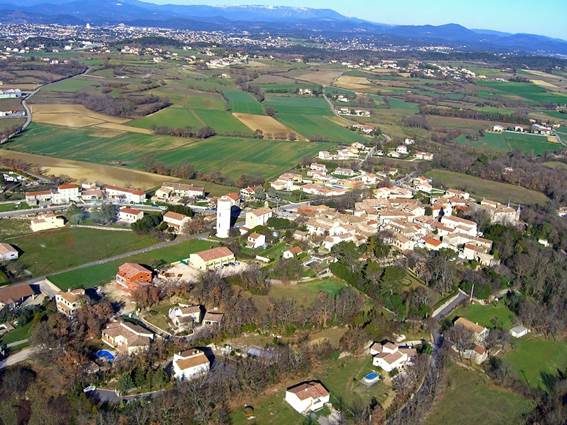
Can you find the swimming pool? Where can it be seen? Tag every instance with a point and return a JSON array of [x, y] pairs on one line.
[[107, 355], [371, 378]]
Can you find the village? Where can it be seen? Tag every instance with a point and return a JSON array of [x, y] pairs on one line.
[[408, 216]]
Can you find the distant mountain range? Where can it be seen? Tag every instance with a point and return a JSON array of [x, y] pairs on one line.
[[283, 20]]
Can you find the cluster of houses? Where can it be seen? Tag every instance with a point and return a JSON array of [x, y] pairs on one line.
[[354, 151], [320, 181], [363, 113], [542, 129], [178, 193], [71, 192]]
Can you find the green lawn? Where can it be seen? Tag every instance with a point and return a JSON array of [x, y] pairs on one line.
[[56, 250], [14, 207], [508, 141], [472, 399], [307, 293], [493, 315], [533, 356], [18, 334], [240, 101], [287, 87], [298, 105], [340, 377], [396, 103], [319, 127], [72, 85], [478, 187], [100, 274]]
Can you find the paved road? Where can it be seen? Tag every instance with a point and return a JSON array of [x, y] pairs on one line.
[[32, 211], [18, 357]]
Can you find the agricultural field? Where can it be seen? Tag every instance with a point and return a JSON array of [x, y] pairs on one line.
[[470, 398], [288, 87], [97, 275], [237, 156], [178, 117], [10, 123], [299, 105], [55, 250], [508, 141], [270, 127], [243, 102], [316, 127], [529, 92], [534, 357], [480, 188]]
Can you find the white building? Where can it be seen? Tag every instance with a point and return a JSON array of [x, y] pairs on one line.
[[190, 364], [8, 252], [256, 240], [258, 217], [132, 196], [519, 331], [307, 397], [67, 193], [46, 222], [129, 215], [224, 217]]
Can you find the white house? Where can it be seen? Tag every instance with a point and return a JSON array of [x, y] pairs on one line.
[[256, 240], [46, 222], [307, 397], [257, 217], [190, 364], [402, 150], [8, 252], [132, 196], [129, 215], [67, 193], [390, 356], [519, 331], [185, 316]]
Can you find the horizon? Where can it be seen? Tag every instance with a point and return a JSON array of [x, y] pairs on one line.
[[516, 17]]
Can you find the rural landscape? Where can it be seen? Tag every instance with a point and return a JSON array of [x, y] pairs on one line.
[[278, 215]]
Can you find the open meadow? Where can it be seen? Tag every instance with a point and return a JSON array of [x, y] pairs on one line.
[[470, 398], [480, 188], [270, 127], [508, 141]]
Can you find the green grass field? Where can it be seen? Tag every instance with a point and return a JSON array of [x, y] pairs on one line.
[[478, 187], [307, 293], [319, 128], [533, 356], [231, 156], [472, 399], [506, 142], [298, 105], [287, 87], [56, 250], [97, 275], [243, 102], [528, 91], [236, 156], [497, 315], [396, 103], [18, 334], [72, 85], [177, 117]]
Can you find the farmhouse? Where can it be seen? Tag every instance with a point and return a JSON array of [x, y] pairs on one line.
[[133, 276], [46, 222], [8, 252], [130, 215], [39, 198], [307, 397], [211, 259], [69, 302], [190, 364], [15, 295], [480, 333], [176, 221], [176, 191], [127, 338], [132, 196]]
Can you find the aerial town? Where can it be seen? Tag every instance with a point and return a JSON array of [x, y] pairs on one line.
[[232, 219]]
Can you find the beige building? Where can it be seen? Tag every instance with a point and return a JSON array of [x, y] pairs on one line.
[[176, 221], [69, 302], [211, 258], [127, 338], [47, 222], [8, 252], [257, 217]]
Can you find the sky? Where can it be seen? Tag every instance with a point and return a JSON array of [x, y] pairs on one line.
[[544, 17]]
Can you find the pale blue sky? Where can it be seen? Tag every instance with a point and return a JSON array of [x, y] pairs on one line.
[[546, 17]]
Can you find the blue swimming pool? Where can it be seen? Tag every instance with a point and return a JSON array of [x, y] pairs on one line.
[[107, 355], [371, 376]]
